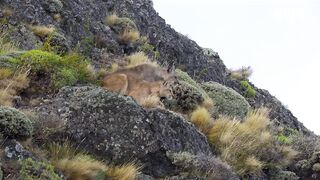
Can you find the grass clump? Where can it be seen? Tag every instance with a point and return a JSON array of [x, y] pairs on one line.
[[241, 144], [241, 74], [128, 36], [78, 165], [248, 89], [151, 101], [6, 46], [124, 27], [41, 31], [201, 118], [63, 70], [137, 59], [11, 83]]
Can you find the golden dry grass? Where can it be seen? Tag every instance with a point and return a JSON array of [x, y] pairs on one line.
[[151, 101], [41, 31], [129, 36], [77, 165], [241, 144], [111, 20], [114, 67], [80, 167], [288, 154], [201, 119], [124, 172], [5, 45], [138, 58], [11, 83]]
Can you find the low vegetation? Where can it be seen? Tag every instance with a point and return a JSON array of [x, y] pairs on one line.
[[81, 166], [63, 70], [247, 89], [6, 46], [31, 169], [138, 58], [151, 101], [125, 28], [41, 31], [201, 118], [241, 74]]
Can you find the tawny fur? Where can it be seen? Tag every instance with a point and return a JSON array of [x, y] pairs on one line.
[[139, 81]]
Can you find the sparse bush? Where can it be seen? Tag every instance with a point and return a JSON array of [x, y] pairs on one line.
[[226, 101], [31, 169], [248, 90], [241, 74], [151, 101], [201, 119], [41, 31], [14, 124]]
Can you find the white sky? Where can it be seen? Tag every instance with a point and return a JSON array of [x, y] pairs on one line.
[[279, 39]]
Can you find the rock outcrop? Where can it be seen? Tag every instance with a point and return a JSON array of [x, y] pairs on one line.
[[117, 129]]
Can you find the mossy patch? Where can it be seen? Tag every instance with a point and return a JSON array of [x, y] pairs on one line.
[[63, 70], [31, 169], [248, 90]]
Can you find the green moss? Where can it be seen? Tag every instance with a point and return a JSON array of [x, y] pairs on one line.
[[14, 124], [283, 139], [64, 70], [31, 169], [227, 101], [248, 89]]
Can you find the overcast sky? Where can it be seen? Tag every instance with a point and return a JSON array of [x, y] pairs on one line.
[[279, 39]]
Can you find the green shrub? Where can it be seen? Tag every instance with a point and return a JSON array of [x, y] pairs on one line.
[[226, 100], [63, 70], [31, 169], [248, 89], [14, 124]]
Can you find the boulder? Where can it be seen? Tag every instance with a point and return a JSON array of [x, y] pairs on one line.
[[117, 129]]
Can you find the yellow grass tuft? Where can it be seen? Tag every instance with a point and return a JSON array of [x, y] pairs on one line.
[[11, 83], [41, 31], [288, 154], [241, 74], [201, 119], [111, 20], [5, 45], [242, 144], [81, 167], [114, 67], [137, 59], [129, 36], [150, 101], [253, 165], [124, 172]]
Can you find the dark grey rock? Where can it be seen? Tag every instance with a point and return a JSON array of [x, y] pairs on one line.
[[13, 150], [116, 129]]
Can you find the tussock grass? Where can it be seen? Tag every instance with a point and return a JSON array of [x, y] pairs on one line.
[[77, 165], [6, 46], [11, 82], [124, 172], [241, 144], [201, 119], [241, 74], [112, 19], [41, 31], [137, 59], [151, 101], [128, 36]]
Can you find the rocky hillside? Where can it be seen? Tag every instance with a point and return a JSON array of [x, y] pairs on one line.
[[56, 122]]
